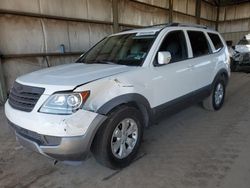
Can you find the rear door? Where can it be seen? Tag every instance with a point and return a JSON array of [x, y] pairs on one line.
[[202, 61]]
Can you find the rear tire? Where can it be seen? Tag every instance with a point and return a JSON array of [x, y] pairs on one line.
[[233, 66], [114, 146], [216, 99]]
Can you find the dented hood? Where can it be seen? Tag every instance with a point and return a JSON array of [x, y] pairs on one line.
[[71, 75]]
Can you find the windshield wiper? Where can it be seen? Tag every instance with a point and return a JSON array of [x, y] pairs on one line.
[[101, 62], [106, 62]]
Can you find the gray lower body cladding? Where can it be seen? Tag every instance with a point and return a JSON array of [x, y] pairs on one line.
[[73, 148]]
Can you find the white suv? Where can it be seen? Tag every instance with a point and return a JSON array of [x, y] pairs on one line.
[[102, 102]]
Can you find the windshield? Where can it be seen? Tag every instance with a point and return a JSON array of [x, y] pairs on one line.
[[126, 49]]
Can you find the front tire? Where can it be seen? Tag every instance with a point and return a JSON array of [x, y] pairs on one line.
[[233, 66], [118, 140], [216, 99]]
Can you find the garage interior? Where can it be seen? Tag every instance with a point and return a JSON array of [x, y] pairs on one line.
[[192, 148]]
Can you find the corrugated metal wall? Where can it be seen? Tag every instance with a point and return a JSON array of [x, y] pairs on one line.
[[234, 21], [46, 24], [141, 14], [188, 10], [28, 34]]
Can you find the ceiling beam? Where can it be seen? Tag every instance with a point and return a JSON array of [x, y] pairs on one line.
[[232, 2]]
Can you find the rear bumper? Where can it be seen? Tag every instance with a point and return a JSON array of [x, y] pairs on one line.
[[73, 148]]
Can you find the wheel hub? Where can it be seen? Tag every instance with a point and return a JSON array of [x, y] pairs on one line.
[[124, 138], [219, 94]]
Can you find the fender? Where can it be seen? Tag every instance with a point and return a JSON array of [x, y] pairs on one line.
[[220, 73], [140, 101]]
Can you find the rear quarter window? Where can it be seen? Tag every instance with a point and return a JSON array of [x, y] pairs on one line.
[[216, 41], [199, 43]]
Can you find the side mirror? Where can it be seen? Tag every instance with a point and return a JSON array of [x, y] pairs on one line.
[[164, 58]]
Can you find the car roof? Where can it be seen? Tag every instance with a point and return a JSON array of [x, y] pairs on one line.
[[156, 28]]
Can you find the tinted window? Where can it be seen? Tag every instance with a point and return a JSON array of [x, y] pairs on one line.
[[199, 43], [216, 41], [175, 43]]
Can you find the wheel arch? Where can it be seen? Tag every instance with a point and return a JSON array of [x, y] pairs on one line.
[[133, 99], [222, 73], [136, 100]]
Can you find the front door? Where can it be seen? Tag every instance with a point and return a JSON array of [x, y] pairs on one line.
[[173, 80]]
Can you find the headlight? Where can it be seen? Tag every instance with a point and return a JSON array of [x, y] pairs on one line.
[[64, 103]]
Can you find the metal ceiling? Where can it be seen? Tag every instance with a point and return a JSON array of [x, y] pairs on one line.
[[226, 2], [232, 2]]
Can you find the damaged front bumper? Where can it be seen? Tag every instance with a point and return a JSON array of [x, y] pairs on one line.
[[68, 147], [60, 148]]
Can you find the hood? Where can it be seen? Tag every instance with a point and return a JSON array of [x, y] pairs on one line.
[[71, 75], [242, 48]]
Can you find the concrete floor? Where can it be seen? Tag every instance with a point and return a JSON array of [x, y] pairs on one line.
[[193, 148]]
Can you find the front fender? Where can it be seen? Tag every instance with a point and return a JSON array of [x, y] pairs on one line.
[[132, 98]]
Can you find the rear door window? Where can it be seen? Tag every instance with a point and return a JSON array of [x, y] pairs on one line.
[[216, 41], [199, 43]]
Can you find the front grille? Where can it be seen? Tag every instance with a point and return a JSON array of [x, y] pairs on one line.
[[246, 58], [29, 135], [23, 97], [35, 137]]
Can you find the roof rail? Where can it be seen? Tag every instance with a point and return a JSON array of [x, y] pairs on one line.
[[173, 24], [126, 29], [178, 24], [163, 24], [192, 25]]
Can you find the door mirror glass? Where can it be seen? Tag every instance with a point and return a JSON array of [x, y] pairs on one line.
[[164, 57]]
